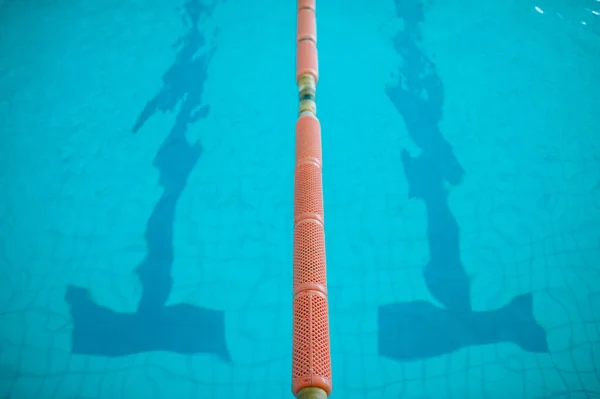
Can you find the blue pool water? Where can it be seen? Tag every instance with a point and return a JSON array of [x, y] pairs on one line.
[[146, 171]]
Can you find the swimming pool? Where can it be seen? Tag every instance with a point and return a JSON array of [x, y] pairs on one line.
[[147, 182]]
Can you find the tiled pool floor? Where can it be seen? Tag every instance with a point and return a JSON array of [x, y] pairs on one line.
[[146, 193]]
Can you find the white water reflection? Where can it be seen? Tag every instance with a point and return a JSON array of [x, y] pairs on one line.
[[585, 16]]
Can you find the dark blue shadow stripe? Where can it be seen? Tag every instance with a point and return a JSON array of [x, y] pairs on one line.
[[180, 328], [421, 329]]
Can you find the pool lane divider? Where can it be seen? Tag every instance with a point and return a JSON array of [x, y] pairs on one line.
[[311, 357]]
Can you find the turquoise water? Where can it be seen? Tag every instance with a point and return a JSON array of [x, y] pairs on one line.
[[147, 157]]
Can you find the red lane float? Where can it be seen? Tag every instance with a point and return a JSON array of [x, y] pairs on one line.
[[311, 359]]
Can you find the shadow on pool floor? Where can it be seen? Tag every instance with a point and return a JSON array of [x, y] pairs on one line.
[[420, 329], [181, 328]]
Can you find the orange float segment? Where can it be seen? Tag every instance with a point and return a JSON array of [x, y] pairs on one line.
[[307, 26], [308, 201], [309, 257], [306, 4], [311, 361], [308, 140], [306, 60], [308, 184]]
